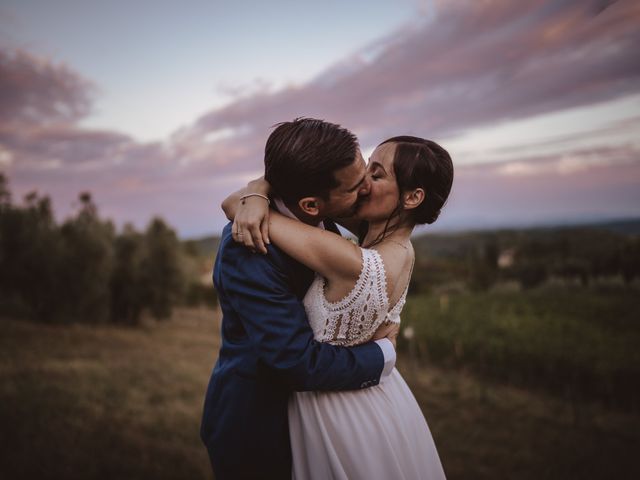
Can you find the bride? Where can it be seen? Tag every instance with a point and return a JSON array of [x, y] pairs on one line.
[[376, 432]]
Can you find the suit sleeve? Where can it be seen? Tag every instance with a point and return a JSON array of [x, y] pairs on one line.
[[275, 321]]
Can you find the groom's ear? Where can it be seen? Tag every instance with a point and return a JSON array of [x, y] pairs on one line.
[[310, 205]]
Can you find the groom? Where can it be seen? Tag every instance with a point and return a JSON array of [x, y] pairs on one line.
[[268, 350]]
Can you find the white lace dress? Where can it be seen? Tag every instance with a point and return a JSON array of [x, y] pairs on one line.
[[374, 433]]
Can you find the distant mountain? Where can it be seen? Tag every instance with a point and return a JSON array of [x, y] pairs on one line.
[[627, 224], [624, 226], [592, 235]]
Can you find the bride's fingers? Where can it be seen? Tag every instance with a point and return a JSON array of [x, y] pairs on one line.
[[246, 239], [235, 232], [264, 227], [256, 237]]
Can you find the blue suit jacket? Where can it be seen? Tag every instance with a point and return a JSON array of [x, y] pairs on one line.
[[267, 352]]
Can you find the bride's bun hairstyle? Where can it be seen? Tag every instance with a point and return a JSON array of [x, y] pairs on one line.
[[420, 163]]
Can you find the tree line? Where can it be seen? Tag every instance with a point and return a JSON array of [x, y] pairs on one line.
[[529, 258], [84, 270]]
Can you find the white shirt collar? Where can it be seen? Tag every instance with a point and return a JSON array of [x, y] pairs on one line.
[[283, 209]]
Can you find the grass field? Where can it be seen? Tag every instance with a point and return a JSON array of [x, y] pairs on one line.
[[79, 402], [86, 403], [577, 342]]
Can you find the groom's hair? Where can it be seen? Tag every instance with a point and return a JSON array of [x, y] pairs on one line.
[[301, 156]]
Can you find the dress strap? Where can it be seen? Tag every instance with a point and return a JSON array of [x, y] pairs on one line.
[[394, 312]]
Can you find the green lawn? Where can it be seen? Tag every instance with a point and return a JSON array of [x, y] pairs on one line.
[[80, 402]]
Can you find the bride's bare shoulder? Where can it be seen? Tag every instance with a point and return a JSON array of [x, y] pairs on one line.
[[398, 260]]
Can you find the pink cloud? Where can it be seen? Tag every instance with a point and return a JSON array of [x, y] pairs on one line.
[[36, 91], [474, 64], [580, 184]]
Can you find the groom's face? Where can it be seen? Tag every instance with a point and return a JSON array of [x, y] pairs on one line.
[[353, 184]]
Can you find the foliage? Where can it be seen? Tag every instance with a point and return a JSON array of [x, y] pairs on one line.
[[575, 342], [84, 271], [162, 279], [481, 260], [87, 264], [127, 288]]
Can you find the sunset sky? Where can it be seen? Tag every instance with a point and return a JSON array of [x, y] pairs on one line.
[[163, 107]]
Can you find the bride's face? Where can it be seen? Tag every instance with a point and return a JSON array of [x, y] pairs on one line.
[[384, 194]]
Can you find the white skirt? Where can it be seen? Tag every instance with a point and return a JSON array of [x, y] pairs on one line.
[[374, 433]]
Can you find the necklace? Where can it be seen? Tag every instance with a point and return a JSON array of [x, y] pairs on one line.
[[406, 247], [387, 239]]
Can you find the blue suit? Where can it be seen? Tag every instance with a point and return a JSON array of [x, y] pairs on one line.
[[267, 352]]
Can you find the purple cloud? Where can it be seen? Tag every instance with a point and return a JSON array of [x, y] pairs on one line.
[[579, 184], [473, 64], [35, 91]]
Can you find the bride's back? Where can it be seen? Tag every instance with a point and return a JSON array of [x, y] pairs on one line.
[[348, 313]]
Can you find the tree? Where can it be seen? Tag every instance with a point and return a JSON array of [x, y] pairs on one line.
[[30, 246], [126, 285], [630, 260], [5, 195], [88, 264], [162, 277], [82, 271], [483, 266]]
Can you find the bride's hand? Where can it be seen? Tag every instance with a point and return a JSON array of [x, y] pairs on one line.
[[388, 330], [251, 224], [248, 208]]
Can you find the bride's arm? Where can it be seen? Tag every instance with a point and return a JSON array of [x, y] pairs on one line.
[[228, 204], [250, 215], [258, 186], [322, 251]]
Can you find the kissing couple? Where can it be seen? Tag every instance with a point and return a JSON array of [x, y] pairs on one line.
[[305, 384]]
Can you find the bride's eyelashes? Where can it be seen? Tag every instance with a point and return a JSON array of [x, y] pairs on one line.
[[375, 173]]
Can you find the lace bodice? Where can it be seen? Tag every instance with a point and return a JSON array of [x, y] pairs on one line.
[[355, 318]]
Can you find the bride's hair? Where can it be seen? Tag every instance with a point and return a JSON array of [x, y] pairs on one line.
[[419, 163]]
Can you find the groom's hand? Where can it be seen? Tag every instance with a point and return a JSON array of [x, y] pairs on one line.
[[388, 330]]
